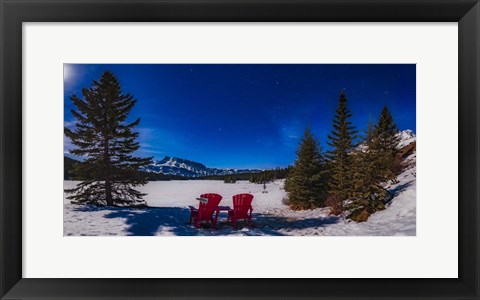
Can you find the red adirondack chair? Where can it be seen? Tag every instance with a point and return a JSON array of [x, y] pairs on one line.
[[242, 209], [205, 210]]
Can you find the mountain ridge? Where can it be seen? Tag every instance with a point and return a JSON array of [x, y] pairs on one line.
[[188, 168]]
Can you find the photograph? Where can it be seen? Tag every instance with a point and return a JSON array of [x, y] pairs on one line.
[[281, 135], [239, 150]]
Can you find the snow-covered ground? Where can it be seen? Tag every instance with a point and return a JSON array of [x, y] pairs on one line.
[[406, 137], [169, 214]]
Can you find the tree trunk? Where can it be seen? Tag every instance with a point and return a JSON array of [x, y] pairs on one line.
[[108, 192], [108, 179]]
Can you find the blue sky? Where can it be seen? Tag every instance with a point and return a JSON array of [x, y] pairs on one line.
[[243, 115]]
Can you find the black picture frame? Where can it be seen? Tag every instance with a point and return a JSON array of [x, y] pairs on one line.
[[14, 12]]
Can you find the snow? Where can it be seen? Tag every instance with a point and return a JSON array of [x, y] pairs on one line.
[[406, 137], [187, 168], [168, 212]]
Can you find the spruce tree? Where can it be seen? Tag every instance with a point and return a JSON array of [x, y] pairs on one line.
[[375, 164], [385, 144], [340, 160], [305, 182], [368, 192], [109, 172], [369, 133], [366, 179]]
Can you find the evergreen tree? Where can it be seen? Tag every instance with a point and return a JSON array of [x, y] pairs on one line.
[[107, 141], [384, 145], [230, 179], [368, 192], [305, 182], [369, 133], [375, 164], [340, 159], [366, 182], [268, 175]]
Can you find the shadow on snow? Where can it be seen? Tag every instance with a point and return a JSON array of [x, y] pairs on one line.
[[400, 188], [174, 221]]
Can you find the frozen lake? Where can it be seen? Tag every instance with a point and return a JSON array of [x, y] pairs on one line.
[[169, 214]]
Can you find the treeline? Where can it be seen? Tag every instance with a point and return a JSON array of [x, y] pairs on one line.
[[348, 178], [70, 164], [269, 175], [231, 178], [258, 177]]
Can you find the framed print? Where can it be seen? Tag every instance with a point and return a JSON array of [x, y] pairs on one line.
[[241, 153], [241, 149]]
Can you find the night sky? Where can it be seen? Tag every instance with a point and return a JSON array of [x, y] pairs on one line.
[[247, 116]]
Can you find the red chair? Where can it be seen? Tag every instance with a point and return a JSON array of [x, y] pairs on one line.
[[205, 210], [242, 209]]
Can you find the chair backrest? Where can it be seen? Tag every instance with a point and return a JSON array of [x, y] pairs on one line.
[[206, 209], [241, 204]]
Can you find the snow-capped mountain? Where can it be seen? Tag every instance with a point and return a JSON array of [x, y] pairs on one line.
[[187, 168], [406, 137]]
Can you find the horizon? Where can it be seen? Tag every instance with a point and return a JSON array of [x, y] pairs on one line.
[[247, 116]]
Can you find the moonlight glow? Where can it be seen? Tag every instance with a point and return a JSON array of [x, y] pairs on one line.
[[68, 73]]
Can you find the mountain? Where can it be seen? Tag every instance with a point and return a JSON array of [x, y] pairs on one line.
[[187, 168], [169, 168], [69, 172], [406, 137]]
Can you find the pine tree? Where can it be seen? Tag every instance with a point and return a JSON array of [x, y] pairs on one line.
[[385, 144], [305, 182], [102, 136], [230, 179], [340, 159], [374, 165], [369, 133], [366, 181], [368, 192]]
